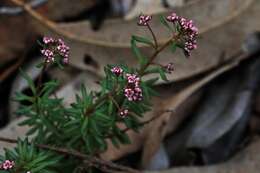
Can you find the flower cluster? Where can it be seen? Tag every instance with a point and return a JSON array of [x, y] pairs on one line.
[[6, 165], [169, 68], [133, 92], [123, 113], [144, 19], [188, 31], [117, 71], [53, 48]]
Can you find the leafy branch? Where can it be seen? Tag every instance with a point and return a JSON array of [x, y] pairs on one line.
[[83, 129]]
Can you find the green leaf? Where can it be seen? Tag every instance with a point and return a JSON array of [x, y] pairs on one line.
[[152, 81], [84, 126], [32, 131], [40, 43], [40, 65], [143, 40], [124, 138], [83, 91], [173, 47], [93, 126], [162, 74], [110, 107], [141, 59], [29, 81], [22, 97], [115, 142]]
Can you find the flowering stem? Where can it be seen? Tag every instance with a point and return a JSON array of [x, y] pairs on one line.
[[39, 82], [151, 59], [144, 122], [154, 37]]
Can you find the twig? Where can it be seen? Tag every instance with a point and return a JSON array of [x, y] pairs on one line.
[[151, 59], [149, 120], [19, 10], [153, 35], [145, 122], [97, 162]]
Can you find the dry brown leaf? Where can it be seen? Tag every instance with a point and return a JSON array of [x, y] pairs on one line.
[[151, 7], [246, 161], [170, 122], [66, 8], [13, 39]]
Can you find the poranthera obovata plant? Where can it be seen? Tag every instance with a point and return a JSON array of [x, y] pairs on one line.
[[70, 139]]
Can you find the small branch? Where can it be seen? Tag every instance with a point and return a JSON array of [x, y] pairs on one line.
[[153, 35], [97, 162], [145, 122], [39, 82], [114, 101], [150, 120], [151, 59]]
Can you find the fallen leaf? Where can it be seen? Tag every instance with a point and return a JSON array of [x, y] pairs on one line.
[[170, 122], [245, 161]]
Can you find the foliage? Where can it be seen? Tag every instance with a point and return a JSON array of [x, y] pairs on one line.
[[92, 120]]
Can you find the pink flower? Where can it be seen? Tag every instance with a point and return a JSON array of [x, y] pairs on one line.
[[123, 113], [63, 49], [133, 94], [188, 31], [133, 79], [144, 19], [7, 164], [47, 40], [117, 71], [49, 55], [169, 68], [65, 60], [55, 47], [172, 17]]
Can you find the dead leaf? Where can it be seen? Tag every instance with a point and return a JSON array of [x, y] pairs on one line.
[[245, 161], [151, 7], [170, 122], [231, 102]]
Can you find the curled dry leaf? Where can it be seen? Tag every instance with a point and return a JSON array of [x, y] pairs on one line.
[[245, 161], [170, 122], [232, 98]]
